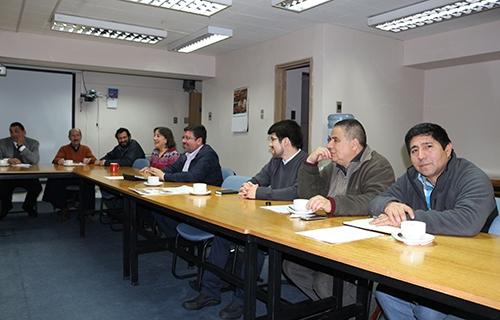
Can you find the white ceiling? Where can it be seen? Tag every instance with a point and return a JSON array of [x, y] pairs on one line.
[[252, 21]]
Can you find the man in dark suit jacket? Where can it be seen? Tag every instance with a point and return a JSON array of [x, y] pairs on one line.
[[19, 149], [200, 163]]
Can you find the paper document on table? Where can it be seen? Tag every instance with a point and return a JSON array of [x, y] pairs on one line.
[[151, 191], [22, 165], [365, 224], [278, 209], [114, 177], [339, 234]]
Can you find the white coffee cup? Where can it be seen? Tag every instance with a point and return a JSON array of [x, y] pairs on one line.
[[300, 204], [68, 162], [199, 188], [153, 180], [413, 230], [4, 161]]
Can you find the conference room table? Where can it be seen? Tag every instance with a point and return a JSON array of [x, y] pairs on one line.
[[461, 272]]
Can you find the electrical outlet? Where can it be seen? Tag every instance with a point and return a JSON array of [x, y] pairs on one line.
[[176, 120], [339, 106], [210, 116], [262, 113]]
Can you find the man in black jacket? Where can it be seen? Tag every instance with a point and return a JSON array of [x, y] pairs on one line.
[[125, 153]]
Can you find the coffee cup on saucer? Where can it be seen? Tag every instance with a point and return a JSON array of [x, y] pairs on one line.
[[199, 188], [413, 230], [68, 162], [4, 161], [300, 204], [152, 180]]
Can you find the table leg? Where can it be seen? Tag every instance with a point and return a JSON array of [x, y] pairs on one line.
[[126, 238], [134, 258], [250, 280], [274, 284]]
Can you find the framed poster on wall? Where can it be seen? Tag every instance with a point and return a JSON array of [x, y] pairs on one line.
[[240, 110]]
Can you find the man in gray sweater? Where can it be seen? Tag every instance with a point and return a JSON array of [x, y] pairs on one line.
[[353, 176], [451, 195], [276, 181], [19, 149]]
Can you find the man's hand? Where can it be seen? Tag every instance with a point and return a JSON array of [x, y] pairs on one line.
[[394, 213], [154, 172], [319, 203], [14, 161], [86, 160], [319, 154], [60, 161], [248, 190], [100, 162], [20, 140]]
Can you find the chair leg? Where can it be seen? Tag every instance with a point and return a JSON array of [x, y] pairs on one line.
[[174, 261]]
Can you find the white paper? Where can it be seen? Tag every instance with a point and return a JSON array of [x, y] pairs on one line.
[[339, 234], [153, 191], [22, 165], [114, 177], [278, 209], [365, 224]]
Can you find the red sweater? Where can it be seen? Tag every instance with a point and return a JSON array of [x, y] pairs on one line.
[[68, 153]]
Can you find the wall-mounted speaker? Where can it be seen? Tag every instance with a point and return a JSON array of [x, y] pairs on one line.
[[189, 85]]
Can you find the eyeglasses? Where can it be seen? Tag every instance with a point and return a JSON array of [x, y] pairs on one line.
[[188, 138], [330, 138]]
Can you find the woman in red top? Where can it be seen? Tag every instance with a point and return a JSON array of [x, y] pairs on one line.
[[164, 153]]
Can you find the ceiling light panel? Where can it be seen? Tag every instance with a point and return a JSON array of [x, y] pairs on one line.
[[428, 12], [107, 29], [297, 5], [202, 38], [200, 7]]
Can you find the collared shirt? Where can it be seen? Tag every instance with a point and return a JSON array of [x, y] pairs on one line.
[[189, 158], [21, 149], [290, 159], [427, 188]]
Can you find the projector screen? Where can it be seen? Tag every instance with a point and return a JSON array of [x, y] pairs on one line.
[[43, 102]]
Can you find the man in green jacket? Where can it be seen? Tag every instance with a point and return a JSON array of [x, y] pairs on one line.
[[354, 174]]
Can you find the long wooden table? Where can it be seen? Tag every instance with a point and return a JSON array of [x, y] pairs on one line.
[[460, 272]]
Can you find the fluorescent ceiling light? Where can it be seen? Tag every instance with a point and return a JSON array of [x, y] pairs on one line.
[[427, 12], [107, 29], [202, 38], [297, 5], [201, 7]]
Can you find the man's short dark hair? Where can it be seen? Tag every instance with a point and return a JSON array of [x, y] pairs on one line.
[[353, 129], [288, 129], [17, 124], [120, 130], [198, 131], [167, 133], [427, 129]]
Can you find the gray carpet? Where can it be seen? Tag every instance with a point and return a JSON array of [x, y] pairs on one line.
[[48, 272]]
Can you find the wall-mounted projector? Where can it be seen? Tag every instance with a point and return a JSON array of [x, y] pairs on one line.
[[89, 96]]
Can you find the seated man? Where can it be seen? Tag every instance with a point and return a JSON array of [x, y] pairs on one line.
[[354, 175], [19, 149], [451, 195], [277, 180], [125, 153], [200, 163], [56, 189]]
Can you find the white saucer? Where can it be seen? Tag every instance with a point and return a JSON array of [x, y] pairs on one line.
[[201, 194], [4, 165], [426, 239], [153, 184], [70, 165], [305, 212]]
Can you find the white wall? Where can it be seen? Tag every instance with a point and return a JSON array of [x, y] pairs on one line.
[[362, 70], [143, 104], [465, 100]]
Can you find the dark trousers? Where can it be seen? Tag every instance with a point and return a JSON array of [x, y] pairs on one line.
[[219, 255], [57, 194], [32, 186]]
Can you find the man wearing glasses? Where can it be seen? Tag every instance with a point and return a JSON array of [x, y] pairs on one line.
[[354, 174], [200, 163]]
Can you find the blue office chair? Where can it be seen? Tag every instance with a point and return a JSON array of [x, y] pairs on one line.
[[140, 163], [226, 172], [190, 238], [495, 225]]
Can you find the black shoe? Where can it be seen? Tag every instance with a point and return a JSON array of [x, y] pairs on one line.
[[31, 211], [201, 301], [5, 210], [194, 285], [234, 310]]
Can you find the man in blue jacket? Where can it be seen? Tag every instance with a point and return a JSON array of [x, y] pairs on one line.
[[200, 163]]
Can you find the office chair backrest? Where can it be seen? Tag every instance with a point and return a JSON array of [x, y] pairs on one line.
[[234, 182], [226, 172], [495, 225], [140, 163]]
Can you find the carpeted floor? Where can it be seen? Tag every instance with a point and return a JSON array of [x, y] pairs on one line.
[[48, 272]]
